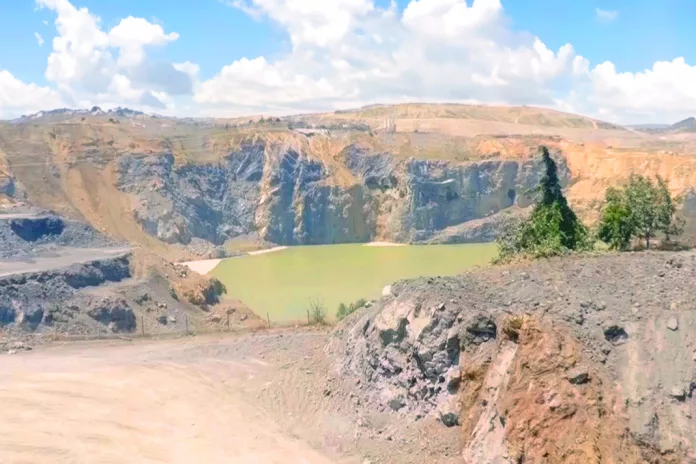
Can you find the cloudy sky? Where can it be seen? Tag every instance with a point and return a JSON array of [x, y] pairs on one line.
[[626, 61]]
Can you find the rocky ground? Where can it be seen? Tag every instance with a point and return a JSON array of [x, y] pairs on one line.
[[570, 360], [60, 277], [27, 231], [576, 360]]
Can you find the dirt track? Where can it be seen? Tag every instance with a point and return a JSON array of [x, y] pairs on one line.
[[59, 259], [177, 401]]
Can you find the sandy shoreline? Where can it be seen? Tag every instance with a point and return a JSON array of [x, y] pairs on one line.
[[204, 266], [267, 250], [384, 244]]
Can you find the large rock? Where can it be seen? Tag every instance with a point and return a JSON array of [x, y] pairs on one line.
[[111, 312], [29, 231], [32, 301], [32, 229]]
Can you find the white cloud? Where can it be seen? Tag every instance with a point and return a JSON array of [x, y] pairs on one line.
[[350, 51], [346, 53], [310, 21], [131, 36], [606, 15], [45, 23], [39, 39], [191, 69], [16, 97], [663, 93], [84, 68]]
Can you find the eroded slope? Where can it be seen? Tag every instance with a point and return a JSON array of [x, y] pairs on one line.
[[578, 360]]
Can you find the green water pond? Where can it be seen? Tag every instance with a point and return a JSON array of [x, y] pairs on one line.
[[284, 283]]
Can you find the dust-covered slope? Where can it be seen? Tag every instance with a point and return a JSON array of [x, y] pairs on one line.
[[503, 114], [568, 360]]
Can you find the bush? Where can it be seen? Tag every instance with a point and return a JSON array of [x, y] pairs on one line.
[[317, 312], [345, 311]]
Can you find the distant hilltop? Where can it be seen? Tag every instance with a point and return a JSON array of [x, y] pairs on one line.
[[63, 113], [687, 125]]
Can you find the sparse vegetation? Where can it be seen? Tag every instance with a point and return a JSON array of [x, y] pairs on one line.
[[642, 209], [344, 311], [552, 229], [317, 312]]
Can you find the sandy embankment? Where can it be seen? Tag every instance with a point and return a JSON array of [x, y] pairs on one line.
[[384, 244], [204, 266]]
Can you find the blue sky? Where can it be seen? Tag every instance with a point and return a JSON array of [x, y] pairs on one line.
[[631, 34]]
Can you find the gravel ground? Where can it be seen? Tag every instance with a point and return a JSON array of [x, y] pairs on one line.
[[28, 233]]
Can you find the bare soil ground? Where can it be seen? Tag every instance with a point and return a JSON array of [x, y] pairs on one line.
[[263, 398]]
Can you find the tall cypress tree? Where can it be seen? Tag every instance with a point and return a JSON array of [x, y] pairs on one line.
[[552, 229], [570, 229]]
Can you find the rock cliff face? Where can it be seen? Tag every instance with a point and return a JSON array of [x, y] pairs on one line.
[[290, 197], [210, 202]]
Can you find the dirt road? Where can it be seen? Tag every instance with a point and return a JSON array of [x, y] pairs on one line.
[[177, 401], [57, 259]]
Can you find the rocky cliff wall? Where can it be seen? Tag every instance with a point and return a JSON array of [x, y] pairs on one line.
[[290, 197], [211, 201]]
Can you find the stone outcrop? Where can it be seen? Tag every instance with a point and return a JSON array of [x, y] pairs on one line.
[[26, 232], [53, 298], [571, 360], [210, 201], [288, 196]]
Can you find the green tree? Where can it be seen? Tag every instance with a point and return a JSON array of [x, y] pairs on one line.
[[670, 223], [616, 227], [552, 229], [642, 209]]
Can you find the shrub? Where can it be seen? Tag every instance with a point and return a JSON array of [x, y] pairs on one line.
[[342, 311], [345, 311], [317, 312]]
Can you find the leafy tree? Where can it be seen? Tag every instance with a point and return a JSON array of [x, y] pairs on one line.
[[616, 227], [671, 224], [552, 229], [641, 209]]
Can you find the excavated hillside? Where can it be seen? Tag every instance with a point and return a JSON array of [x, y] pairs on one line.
[[576, 360], [452, 174]]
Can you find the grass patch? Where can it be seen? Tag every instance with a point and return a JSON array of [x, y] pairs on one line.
[[317, 312]]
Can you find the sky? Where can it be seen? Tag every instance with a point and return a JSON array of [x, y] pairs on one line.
[[624, 61]]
